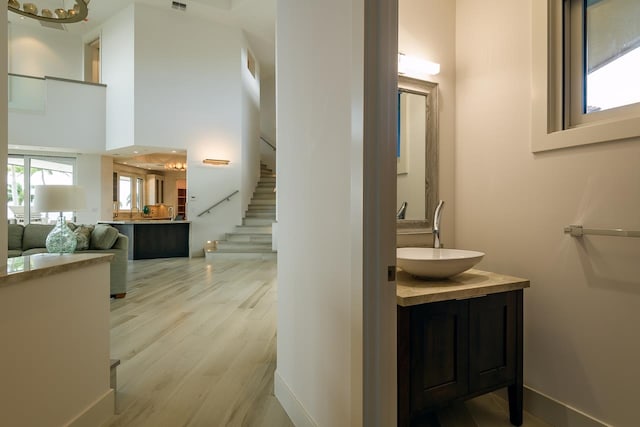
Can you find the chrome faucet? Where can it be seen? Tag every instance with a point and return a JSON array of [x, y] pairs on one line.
[[436, 225], [402, 211]]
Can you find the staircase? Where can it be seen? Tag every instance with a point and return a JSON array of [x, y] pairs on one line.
[[252, 239]]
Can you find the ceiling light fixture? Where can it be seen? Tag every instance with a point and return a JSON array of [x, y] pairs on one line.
[[176, 166], [60, 15], [216, 162]]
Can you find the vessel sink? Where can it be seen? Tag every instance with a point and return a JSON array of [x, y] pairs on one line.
[[430, 263]]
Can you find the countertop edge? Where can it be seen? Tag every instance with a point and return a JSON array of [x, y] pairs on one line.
[[42, 265], [451, 289]]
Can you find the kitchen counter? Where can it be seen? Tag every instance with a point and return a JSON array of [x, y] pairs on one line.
[[155, 238], [472, 283], [143, 221]]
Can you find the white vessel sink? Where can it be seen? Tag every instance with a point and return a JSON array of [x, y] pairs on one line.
[[430, 263]]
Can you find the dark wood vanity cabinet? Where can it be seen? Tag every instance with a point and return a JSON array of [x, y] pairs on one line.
[[458, 349]]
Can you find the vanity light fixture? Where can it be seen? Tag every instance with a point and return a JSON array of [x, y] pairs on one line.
[[216, 162], [60, 15], [416, 67]]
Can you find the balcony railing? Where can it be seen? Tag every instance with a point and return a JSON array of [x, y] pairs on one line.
[[29, 93], [26, 93]]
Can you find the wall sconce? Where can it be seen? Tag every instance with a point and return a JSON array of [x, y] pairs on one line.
[[413, 66], [216, 162]]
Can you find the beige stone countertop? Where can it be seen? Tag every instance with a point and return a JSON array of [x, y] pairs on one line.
[[35, 266], [472, 283], [145, 221]]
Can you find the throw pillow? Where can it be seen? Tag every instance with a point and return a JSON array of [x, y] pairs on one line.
[[35, 236], [103, 237], [15, 236], [83, 235]]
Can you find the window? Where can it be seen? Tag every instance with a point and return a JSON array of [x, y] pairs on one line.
[[586, 59], [124, 192], [139, 193], [602, 59], [23, 174], [128, 191]]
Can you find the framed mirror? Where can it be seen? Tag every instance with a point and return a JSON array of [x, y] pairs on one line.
[[417, 150]]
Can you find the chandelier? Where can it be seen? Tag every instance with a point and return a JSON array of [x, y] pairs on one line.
[[60, 15], [176, 166]]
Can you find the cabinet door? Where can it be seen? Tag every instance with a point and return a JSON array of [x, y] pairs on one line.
[[439, 353], [492, 340]]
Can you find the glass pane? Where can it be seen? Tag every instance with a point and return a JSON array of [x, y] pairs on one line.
[[139, 193], [124, 192], [26, 93], [49, 172], [15, 189], [612, 33]]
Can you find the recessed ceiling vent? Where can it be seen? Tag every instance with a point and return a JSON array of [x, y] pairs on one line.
[[179, 6], [54, 25]]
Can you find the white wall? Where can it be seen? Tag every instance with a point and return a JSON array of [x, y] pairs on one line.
[[117, 62], [583, 307], [268, 119], [250, 128], [106, 188], [55, 334], [89, 175], [189, 94], [268, 107], [73, 119], [38, 51], [427, 30], [319, 373]]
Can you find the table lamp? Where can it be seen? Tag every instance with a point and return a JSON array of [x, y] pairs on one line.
[[59, 198]]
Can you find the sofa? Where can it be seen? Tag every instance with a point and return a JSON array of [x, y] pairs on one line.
[[101, 238]]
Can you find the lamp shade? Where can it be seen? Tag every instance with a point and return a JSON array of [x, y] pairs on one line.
[[58, 198]]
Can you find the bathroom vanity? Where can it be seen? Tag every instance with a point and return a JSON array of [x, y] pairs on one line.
[[458, 338]]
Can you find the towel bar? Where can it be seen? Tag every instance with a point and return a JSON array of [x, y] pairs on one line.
[[579, 231]]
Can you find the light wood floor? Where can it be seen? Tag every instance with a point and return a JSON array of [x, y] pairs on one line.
[[197, 344]]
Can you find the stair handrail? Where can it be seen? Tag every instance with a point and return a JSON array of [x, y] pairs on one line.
[[268, 143], [208, 210]]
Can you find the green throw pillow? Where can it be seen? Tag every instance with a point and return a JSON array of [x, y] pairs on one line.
[[35, 236], [83, 235], [103, 237], [15, 236]]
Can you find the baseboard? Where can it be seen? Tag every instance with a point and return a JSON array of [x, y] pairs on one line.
[[553, 411], [291, 404], [97, 413]]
